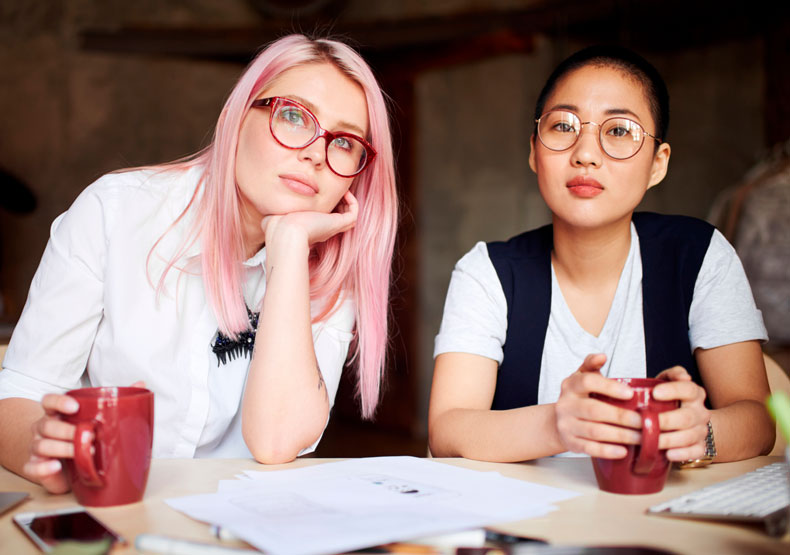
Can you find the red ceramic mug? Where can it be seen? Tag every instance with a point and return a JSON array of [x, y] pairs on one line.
[[112, 444], [645, 467]]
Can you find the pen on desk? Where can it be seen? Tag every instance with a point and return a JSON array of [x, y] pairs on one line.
[[437, 545], [153, 543], [779, 405], [405, 548]]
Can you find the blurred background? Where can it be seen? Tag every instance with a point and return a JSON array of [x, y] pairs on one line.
[[90, 86]]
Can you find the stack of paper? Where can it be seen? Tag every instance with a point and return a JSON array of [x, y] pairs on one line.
[[342, 506]]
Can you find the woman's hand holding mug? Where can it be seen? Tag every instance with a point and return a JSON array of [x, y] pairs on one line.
[[53, 439], [590, 426]]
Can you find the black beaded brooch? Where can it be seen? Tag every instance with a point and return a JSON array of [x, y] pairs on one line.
[[228, 349]]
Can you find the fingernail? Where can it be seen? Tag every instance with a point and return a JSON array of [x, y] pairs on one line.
[[72, 405], [626, 391], [54, 466]]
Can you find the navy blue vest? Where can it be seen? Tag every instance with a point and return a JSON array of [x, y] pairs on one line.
[[672, 250]]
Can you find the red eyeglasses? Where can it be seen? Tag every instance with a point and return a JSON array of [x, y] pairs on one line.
[[294, 126]]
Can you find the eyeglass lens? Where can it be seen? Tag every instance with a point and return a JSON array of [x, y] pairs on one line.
[[295, 127], [620, 137]]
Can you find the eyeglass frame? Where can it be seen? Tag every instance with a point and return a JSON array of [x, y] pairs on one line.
[[600, 129], [329, 136]]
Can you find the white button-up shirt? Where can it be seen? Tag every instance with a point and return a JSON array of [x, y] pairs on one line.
[[92, 316]]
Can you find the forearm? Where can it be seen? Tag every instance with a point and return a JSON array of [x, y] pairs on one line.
[[16, 434], [285, 405], [742, 430], [736, 385], [501, 436]]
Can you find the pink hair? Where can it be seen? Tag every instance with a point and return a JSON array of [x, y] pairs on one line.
[[357, 262]]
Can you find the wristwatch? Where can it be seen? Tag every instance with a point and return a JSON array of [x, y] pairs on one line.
[[710, 452]]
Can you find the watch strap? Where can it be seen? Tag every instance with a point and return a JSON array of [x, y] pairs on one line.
[[710, 452]]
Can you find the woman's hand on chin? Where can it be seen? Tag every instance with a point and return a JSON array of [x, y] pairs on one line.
[[310, 227]]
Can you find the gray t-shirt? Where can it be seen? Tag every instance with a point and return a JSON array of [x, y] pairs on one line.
[[475, 316]]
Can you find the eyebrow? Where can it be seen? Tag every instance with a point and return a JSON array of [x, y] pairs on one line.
[[312, 107], [609, 112]]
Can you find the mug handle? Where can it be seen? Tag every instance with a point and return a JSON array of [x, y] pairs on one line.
[[83, 458], [648, 450]]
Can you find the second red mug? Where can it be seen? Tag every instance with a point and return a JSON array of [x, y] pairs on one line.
[[645, 467]]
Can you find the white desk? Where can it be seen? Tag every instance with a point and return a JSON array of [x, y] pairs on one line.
[[594, 518]]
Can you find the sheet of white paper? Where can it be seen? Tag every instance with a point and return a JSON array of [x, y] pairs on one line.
[[346, 505], [426, 471], [343, 467]]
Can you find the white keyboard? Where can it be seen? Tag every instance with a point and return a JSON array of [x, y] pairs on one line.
[[759, 497]]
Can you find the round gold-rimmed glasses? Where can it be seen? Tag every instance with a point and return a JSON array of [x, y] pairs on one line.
[[619, 137]]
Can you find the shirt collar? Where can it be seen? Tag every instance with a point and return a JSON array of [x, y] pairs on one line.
[[259, 258]]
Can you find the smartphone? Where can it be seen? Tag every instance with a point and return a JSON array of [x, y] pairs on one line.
[[47, 530]]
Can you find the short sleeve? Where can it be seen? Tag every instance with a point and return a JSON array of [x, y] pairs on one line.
[[723, 309], [475, 311], [51, 342]]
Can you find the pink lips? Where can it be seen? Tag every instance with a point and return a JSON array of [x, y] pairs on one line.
[[584, 186], [300, 184]]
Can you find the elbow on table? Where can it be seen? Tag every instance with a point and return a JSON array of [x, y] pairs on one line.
[[770, 442], [436, 450], [280, 440], [273, 456], [763, 436], [438, 444], [274, 446], [271, 452]]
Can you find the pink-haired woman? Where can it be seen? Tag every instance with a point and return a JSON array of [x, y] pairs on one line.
[[232, 283]]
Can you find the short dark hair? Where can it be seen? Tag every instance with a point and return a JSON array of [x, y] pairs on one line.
[[625, 60]]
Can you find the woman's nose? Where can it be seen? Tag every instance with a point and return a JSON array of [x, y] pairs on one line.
[[587, 150], [315, 152]]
